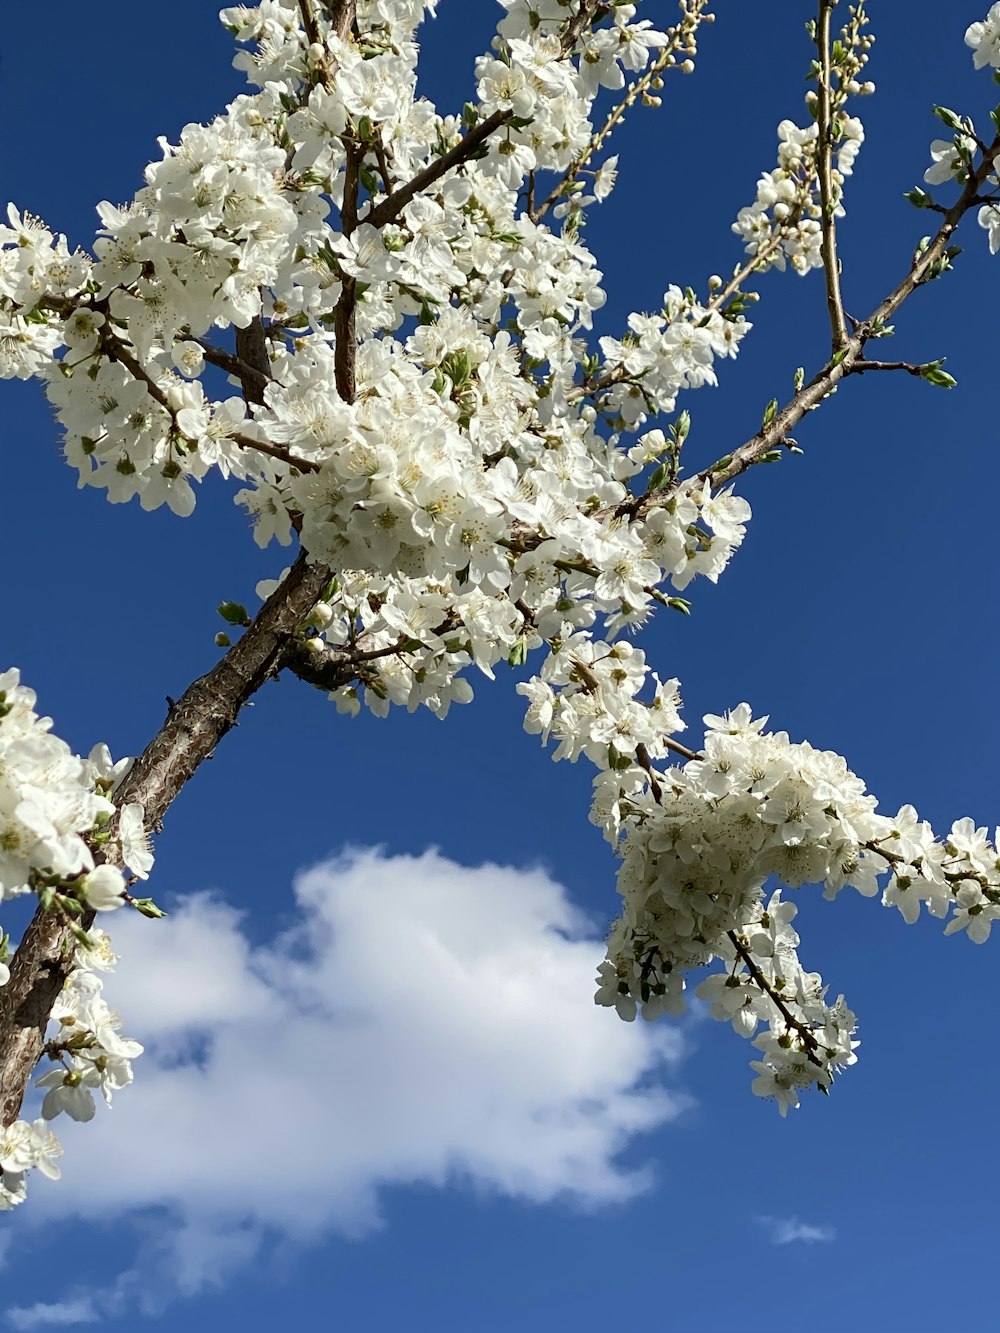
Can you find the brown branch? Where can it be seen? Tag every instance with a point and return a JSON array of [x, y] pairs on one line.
[[251, 378], [196, 723], [345, 350], [252, 353], [275, 451], [678, 37], [746, 270], [308, 21], [807, 1035], [203, 715], [340, 14], [828, 221], [846, 361], [863, 364], [589, 11], [391, 207], [248, 375]]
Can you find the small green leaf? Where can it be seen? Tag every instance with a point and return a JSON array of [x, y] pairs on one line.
[[148, 908], [770, 412], [659, 478], [518, 654], [233, 613], [933, 374], [948, 117]]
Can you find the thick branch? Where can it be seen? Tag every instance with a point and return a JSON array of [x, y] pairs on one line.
[[207, 710], [253, 360]]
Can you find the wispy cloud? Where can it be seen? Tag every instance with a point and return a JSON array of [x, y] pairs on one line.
[[789, 1230], [422, 1023], [60, 1314]]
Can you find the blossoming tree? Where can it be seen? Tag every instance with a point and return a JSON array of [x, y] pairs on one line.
[[403, 303]]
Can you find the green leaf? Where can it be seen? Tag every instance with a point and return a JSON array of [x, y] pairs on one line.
[[518, 654], [918, 198], [933, 374], [681, 427], [233, 613], [948, 117], [659, 478], [720, 464], [148, 908], [770, 412]]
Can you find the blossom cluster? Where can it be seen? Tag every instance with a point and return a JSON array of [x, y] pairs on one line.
[[88, 1053], [699, 844], [53, 805], [430, 413], [954, 159], [783, 224]]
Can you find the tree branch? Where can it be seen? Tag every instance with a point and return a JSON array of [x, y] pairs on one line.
[[249, 376], [390, 208], [845, 361], [680, 36], [206, 711], [828, 221], [806, 1034]]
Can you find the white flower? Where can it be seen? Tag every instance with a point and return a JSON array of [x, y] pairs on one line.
[[103, 888], [984, 38], [134, 840]]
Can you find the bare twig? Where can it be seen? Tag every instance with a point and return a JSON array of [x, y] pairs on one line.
[[863, 364]]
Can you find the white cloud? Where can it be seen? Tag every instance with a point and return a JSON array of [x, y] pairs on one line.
[[421, 1022], [788, 1230], [58, 1313]]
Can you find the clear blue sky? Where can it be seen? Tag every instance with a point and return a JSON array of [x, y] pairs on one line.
[[460, 1150]]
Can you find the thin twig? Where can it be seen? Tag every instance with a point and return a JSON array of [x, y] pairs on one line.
[[678, 37], [863, 364], [828, 221], [390, 208], [807, 1035]]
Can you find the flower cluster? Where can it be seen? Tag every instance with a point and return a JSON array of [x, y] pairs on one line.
[[50, 801], [424, 404], [783, 224], [88, 1052], [954, 159], [699, 843]]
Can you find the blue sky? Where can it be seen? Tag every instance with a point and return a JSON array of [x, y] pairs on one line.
[[474, 1145]]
